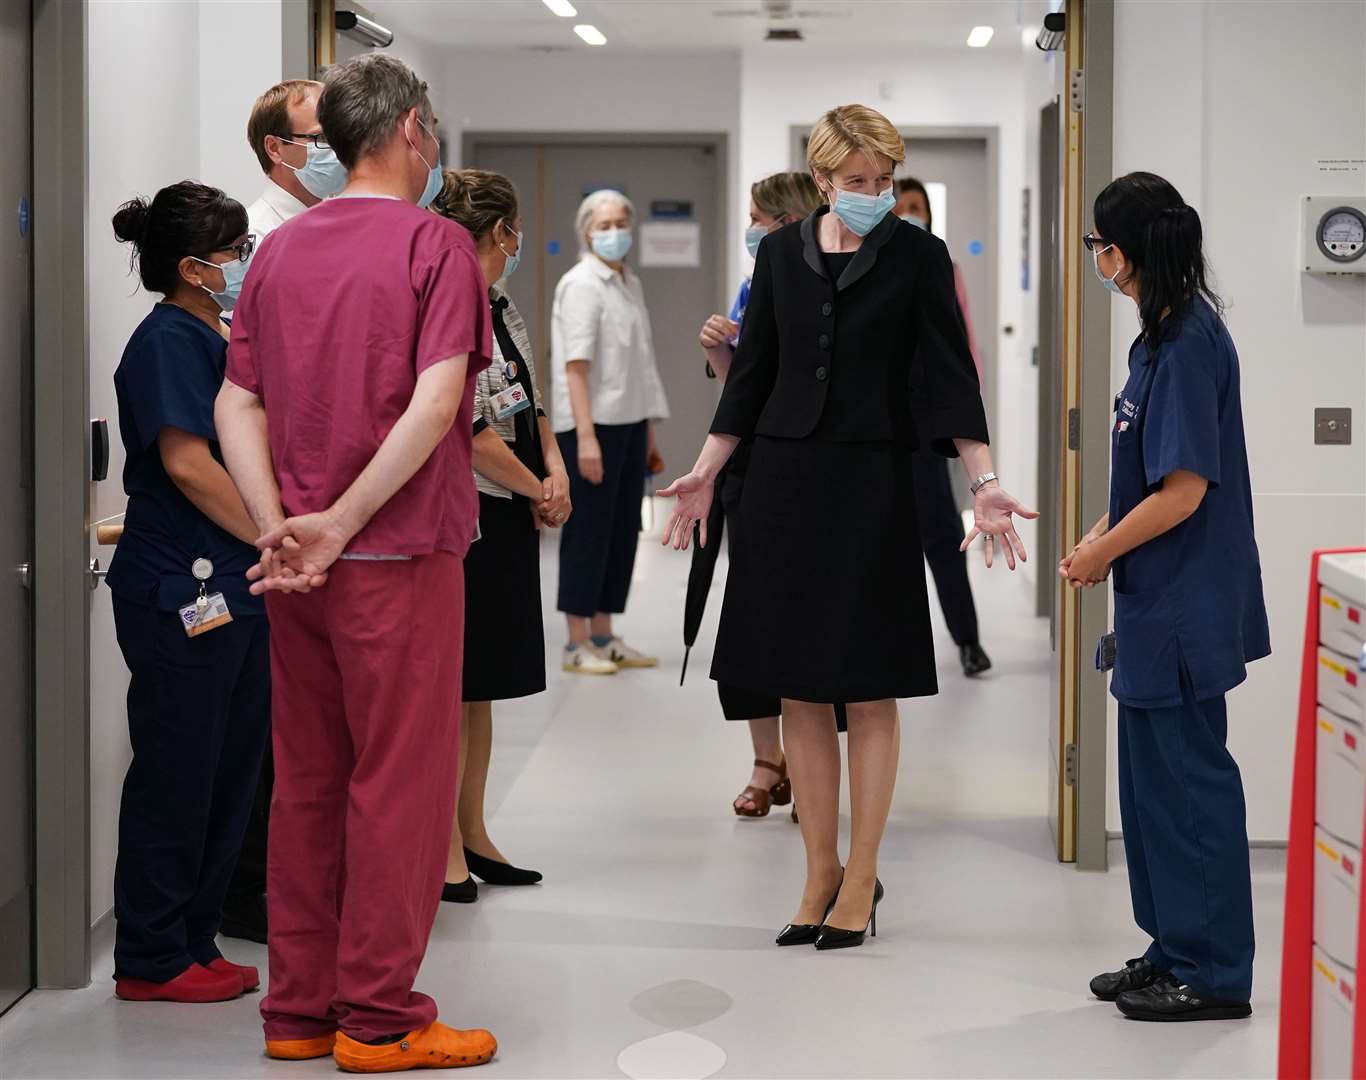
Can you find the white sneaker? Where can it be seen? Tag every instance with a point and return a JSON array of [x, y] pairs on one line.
[[586, 660], [624, 656]]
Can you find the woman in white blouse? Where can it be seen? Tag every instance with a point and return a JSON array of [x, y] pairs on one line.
[[606, 393]]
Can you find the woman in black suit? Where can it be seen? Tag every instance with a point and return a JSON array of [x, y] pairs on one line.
[[851, 354]]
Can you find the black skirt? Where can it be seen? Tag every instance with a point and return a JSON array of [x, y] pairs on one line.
[[826, 599], [504, 637]]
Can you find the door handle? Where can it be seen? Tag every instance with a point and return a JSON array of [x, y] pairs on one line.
[[25, 573], [96, 574]]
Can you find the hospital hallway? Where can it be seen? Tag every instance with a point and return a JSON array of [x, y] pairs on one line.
[[648, 951]]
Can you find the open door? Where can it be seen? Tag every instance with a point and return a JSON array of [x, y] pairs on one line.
[[1080, 423]]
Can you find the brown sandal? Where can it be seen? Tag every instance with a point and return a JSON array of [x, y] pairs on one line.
[[780, 794]]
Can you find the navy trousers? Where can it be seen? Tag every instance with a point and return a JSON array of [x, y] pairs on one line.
[[198, 720], [1185, 838], [941, 535], [598, 542]]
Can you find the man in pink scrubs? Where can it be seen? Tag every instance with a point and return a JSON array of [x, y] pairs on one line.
[[345, 422]]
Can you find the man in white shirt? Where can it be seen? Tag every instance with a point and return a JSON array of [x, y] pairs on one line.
[[300, 167], [301, 171]]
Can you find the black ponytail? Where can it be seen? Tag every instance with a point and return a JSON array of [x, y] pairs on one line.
[[187, 218], [1161, 237]]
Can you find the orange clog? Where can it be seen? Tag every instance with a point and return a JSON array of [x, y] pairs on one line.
[[251, 978], [433, 1047], [301, 1049]]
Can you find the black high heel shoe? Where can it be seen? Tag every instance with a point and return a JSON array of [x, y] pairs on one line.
[[806, 933], [493, 872], [832, 937]]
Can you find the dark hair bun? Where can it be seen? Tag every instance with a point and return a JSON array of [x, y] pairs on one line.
[[130, 221]]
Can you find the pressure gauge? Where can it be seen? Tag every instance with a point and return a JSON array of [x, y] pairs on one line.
[[1342, 234], [1333, 234]]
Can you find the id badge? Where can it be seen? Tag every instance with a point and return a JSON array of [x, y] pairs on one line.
[[1106, 651], [200, 620], [510, 402]]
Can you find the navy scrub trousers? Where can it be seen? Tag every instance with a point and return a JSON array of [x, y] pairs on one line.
[[1189, 617], [598, 542], [1185, 839], [198, 721]]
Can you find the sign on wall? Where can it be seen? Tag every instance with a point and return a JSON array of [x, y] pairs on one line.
[[670, 243]]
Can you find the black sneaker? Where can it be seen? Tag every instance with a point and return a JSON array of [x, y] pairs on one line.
[[1136, 975], [1167, 999], [246, 918], [974, 660]]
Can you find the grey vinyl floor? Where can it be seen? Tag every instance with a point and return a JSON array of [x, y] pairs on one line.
[[648, 950]]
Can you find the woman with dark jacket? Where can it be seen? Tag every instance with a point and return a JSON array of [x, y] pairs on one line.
[[1189, 612], [850, 356], [194, 639]]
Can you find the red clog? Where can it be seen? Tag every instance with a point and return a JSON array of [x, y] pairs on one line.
[[195, 985], [251, 978]]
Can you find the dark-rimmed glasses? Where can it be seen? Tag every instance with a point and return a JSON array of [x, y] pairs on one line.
[[1091, 240], [243, 250]]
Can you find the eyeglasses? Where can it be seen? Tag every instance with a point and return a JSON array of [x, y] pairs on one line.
[[243, 250], [1091, 240], [317, 138]]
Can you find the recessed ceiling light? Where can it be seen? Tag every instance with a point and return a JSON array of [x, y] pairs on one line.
[[980, 36], [563, 8], [590, 34]]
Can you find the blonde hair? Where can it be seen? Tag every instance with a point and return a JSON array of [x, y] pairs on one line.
[[850, 128], [787, 195]]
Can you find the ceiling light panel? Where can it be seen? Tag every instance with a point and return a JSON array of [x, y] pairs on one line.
[[563, 8], [980, 36], [590, 33]]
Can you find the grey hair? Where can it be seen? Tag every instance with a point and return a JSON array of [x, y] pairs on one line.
[[595, 202], [361, 101]]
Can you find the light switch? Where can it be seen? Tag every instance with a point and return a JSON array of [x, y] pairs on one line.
[[1332, 427]]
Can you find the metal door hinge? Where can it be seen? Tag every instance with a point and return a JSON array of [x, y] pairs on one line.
[[1077, 90], [1074, 429], [1069, 773], [25, 571]]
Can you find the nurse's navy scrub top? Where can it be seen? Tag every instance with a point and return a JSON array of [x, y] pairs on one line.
[[1192, 597], [170, 375]]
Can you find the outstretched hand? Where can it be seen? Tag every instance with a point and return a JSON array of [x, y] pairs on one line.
[[694, 493], [994, 511]]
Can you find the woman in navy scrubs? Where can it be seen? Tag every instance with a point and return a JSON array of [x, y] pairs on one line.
[[198, 706], [1189, 612]]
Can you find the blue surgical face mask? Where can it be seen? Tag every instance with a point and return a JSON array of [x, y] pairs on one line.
[[515, 259], [434, 178], [918, 222], [234, 273], [753, 235], [611, 244], [1108, 282], [861, 213], [322, 175]]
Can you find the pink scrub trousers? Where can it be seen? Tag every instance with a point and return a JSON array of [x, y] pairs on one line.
[[366, 675]]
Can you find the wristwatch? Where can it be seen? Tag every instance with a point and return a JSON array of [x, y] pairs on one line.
[[982, 481]]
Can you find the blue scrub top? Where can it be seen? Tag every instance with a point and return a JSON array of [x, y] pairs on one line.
[[737, 309], [1191, 597], [170, 374]]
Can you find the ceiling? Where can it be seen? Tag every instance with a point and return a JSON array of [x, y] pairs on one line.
[[700, 25]]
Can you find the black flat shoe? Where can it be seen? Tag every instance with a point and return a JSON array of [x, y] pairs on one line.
[[1136, 975], [246, 919], [466, 892], [974, 660], [832, 937], [1167, 999], [493, 872], [806, 933]]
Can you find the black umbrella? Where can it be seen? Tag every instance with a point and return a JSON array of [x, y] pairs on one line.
[[700, 573]]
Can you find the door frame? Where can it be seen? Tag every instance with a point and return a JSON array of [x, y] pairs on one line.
[[61, 433], [717, 141]]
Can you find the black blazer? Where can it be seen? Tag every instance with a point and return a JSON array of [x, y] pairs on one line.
[[879, 355]]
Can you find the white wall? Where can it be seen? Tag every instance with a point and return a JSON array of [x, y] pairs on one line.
[[171, 85], [1245, 109]]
